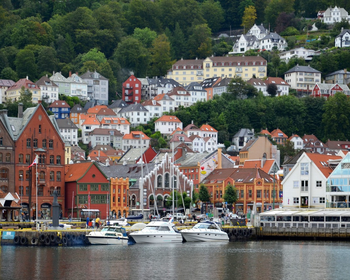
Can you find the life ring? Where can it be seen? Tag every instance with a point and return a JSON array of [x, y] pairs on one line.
[[42, 238], [83, 237], [58, 240], [34, 241], [17, 239], [245, 232], [47, 241], [235, 231], [52, 237], [24, 240], [64, 241]]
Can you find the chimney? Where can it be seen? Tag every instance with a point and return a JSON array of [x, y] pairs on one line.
[[20, 110], [3, 112], [27, 78], [219, 158]]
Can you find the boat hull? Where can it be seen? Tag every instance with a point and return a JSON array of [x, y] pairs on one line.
[[204, 236], [156, 238], [110, 240]]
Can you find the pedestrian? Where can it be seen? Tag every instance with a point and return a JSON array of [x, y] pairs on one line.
[[97, 222], [87, 222]]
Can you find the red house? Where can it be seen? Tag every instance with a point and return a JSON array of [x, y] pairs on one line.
[[327, 90], [87, 187], [132, 90]]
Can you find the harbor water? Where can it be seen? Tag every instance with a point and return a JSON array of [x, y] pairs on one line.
[[232, 260]]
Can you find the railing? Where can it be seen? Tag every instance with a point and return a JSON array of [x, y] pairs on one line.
[[338, 204]]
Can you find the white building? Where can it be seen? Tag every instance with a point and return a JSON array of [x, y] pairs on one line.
[[209, 131], [97, 87], [181, 96], [135, 113], [259, 31], [166, 102], [71, 86], [197, 92], [120, 124], [241, 138], [333, 15], [297, 142], [303, 53], [49, 90], [191, 129], [259, 84], [305, 185], [198, 143], [105, 136], [4, 85], [135, 139], [154, 108], [210, 144], [302, 77], [167, 124], [89, 123], [221, 86], [68, 130], [343, 39], [273, 41], [282, 85]]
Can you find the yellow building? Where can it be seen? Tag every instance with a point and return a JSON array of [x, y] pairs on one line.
[[197, 70], [68, 152], [119, 196], [14, 92]]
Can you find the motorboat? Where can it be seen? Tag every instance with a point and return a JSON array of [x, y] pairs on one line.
[[205, 231], [157, 232], [135, 217], [109, 235], [119, 222]]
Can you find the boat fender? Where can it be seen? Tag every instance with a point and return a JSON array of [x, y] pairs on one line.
[[58, 240], [24, 240], [79, 237], [52, 237], [47, 241], [250, 231], [74, 237], [245, 232], [235, 231], [34, 241], [64, 241], [42, 237], [83, 237], [68, 236], [118, 238], [17, 239]]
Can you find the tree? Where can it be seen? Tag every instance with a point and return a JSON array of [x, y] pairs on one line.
[[230, 195], [160, 56], [336, 117], [178, 42], [213, 13], [286, 151], [239, 89], [94, 55], [199, 41], [25, 64], [9, 74], [204, 195], [272, 90], [146, 36], [275, 7], [249, 17], [47, 60]]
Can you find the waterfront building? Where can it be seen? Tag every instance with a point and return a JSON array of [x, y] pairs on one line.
[[87, 187], [68, 130], [37, 137], [119, 197]]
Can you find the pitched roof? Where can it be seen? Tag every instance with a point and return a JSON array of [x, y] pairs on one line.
[[276, 81], [321, 162], [166, 118], [306, 69], [344, 31], [77, 109], [59, 104], [223, 83], [150, 102], [278, 133], [337, 145], [265, 132], [45, 81], [163, 96], [133, 108], [237, 59], [6, 83], [294, 136], [118, 104], [179, 91], [178, 129], [191, 126], [207, 127], [28, 84], [112, 120], [106, 131], [77, 170], [256, 82], [209, 82], [249, 144], [135, 135], [180, 138], [92, 75], [91, 120], [256, 163], [244, 132], [66, 123]]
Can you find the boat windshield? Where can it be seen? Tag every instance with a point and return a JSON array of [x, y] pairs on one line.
[[205, 226], [114, 229], [151, 228]]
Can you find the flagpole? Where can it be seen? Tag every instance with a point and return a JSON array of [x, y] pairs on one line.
[[36, 188]]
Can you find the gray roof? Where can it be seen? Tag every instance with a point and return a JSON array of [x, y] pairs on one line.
[[90, 75], [132, 155], [343, 72], [209, 82], [194, 84], [6, 83], [244, 132], [133, 108], [131, 171], [89, 105], [66, 123], [223, 82], [192, 159], [341, 34], [273, 37], [45, 81], [299, 68], [78, 109], [161, 82], [118, 104], [5, 120]]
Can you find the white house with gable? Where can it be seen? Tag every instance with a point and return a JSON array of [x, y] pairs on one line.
[[333, 15], [167, 124], [305, 185], [343, 39]]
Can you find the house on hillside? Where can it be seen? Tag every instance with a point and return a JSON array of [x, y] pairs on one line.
[[282, 85], [302, 78], [14, 91], [328, 90], [313, 145], [97, 87], [48, 89], [167, 124], [241, 138], [334, 15], [338, 77], [132, 90]]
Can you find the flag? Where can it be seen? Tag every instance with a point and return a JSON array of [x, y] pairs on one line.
[[34, 162]]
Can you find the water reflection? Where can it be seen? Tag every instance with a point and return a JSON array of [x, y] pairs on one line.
[[248, 260]]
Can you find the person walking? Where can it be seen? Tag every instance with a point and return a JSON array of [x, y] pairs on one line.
[[97, 222], [87, 222]]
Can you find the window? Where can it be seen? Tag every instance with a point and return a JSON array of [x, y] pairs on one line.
[[41, 191], [51, 144], [242, 193], [83, 187], [27, 175], [58, 176], [295, 184], [35, 143], [27, 191], [58, 160], [0, 157], [295, 200], [258, 193], [174, 182], [3, 188], [20, 175], [318, 184], [28, 143], [159, 181], [250, 193], [304, 169], [44, 143], [20, 158], [52, 176], [28, 159], [8, 157], [94, 187], [166, 180], [39, 128], [42, 175], [304, 185], [52, 160], [322, 200], [1, 141]]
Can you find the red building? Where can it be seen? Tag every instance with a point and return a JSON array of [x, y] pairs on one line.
[[327, 90], [37, 134], [132, 90], [87, 187]]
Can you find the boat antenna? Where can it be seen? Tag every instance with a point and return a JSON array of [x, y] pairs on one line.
[[172, 176]]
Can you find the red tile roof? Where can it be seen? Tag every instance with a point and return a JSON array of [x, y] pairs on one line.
[[178, 129], [277, 133], [276, 81], [91, 121], [321, 162], [75, 171], [166, 118], [293, 136], [207, 127], [150, 102], [135, 135], [59, 104], [28, 84], [265, 132], [256, 163], [112, 120]]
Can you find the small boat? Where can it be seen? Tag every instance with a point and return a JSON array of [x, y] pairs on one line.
[[157, 232], [119, 222], [135, 217], [109, 235], [205, 231]]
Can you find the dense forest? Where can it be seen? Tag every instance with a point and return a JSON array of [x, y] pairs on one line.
[[146, 37]]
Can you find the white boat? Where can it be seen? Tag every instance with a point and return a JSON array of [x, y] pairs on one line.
[[205, 231], [109, 235], [157, 232]]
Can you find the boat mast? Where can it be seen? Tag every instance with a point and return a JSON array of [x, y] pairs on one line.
[[141, 180], [172, 176]]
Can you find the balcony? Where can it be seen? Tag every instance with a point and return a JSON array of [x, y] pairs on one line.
[[130, 99], [129, 87], [128, 93]]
